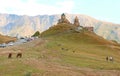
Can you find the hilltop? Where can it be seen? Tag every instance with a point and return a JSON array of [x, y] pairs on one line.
[[78, 33]]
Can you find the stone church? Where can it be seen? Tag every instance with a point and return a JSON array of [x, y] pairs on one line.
[[63, 19], [76, 22]]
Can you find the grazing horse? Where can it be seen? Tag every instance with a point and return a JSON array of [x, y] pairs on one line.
[[10, 55], [19, 55]]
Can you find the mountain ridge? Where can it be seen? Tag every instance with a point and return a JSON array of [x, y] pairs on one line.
[[24, 25]]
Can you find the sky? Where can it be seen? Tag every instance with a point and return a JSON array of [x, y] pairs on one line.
[[106, 10]]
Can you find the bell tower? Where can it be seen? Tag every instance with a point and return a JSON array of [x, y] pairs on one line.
[[63, 16], [76, 22]]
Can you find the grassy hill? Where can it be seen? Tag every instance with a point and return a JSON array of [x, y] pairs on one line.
[[6, 39], [81, 48], [63, 51], [69, 32]]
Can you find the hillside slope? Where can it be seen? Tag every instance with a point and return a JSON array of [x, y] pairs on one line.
[[81, 48], [6, 39], [71, 31], [62, 51]]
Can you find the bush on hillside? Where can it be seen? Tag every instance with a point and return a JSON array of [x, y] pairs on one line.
[[37, 33]]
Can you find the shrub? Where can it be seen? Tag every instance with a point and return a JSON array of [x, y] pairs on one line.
[[37, 33]]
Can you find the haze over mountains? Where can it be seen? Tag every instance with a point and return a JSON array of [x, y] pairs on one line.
[[14, 25]]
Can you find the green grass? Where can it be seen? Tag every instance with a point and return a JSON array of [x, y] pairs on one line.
[[16, 67], [86, 55], [90, 49]]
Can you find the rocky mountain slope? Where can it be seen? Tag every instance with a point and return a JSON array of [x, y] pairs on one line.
[[15, 25]]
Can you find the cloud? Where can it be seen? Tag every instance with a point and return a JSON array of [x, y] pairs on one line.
[[31, 7]]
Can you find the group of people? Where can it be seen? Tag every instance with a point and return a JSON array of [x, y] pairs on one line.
[[109, 58]]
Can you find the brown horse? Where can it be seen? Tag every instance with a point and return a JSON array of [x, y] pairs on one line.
[[19, 55], [10, 55]]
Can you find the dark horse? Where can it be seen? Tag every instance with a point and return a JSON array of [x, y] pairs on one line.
[[19, 55], [10, 55]]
